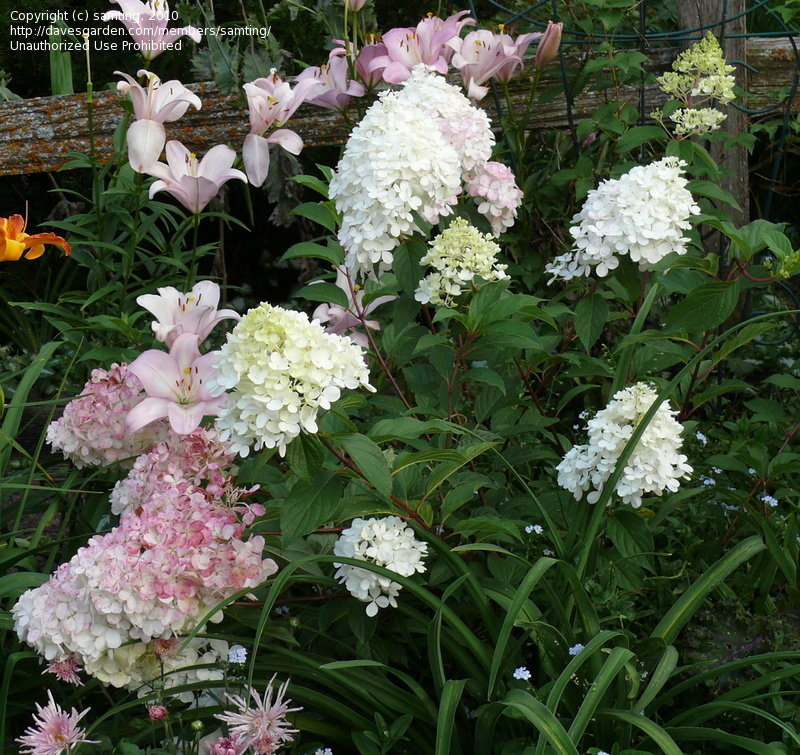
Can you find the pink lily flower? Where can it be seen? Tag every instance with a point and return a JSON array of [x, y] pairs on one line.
[[338, 88], [272, 102], [369, 77], [425, 43], [147, 24], [176, 385], [506, 72], [177, 313], [154, 106], [342, 320], [482, 54], [194, 184]]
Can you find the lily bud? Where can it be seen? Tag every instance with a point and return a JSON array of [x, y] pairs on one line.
[[548, 45], [354, 6]]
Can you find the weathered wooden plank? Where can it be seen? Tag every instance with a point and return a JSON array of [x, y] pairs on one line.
[[37, 134]]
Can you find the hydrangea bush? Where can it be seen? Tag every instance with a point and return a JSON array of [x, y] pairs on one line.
[[468, 490]]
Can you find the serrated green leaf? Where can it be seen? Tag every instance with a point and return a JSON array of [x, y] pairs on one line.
[[332, 253], [324, 292], [591, 314], [309, 504], [370, 460]]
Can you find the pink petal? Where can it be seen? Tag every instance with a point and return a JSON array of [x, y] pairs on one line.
[[288, 139], [158, 372], [183, 418], [149, 410], [217, 160], [256, 158], [145, 139]]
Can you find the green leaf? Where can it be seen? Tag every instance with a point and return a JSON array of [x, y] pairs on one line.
[[652, 729], [591, 314], [13, 585], [486, 376], [659, 678], [451, 696], [704, 308], [639, 135], [712, 191], [407, 428], [615, 661], [325, 292], [309, 504], [304, 455], [684, 608], [331, 253], [312, 182], [320, 212], [719, 737], [13, 412], [535, 573], [543, 719], [370, 460]]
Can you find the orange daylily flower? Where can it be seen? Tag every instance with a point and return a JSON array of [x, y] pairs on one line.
[[14, 241]]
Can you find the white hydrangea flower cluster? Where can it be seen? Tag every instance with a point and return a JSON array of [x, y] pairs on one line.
[[282, 369], [655, 465], [413, 152], [466, 128], [396, 162], [387, 542], [459, 255], [643, 214]]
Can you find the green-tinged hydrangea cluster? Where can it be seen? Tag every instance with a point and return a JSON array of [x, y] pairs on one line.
[[701, 71], [698, 76], [696, 121], [459, 255], [282, 368]]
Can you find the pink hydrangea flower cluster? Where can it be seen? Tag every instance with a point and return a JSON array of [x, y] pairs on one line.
[[199, 458], [92, 432], [155, 576], [495, 190]]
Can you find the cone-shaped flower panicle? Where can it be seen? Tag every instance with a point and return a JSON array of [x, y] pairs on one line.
[[153, 106], [147, 24], [176, 385], [14, 241], [426, 43], [271, 102], [194, 184], [193, 312]]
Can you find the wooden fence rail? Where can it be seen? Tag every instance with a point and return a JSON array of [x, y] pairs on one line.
[[37, 134]]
